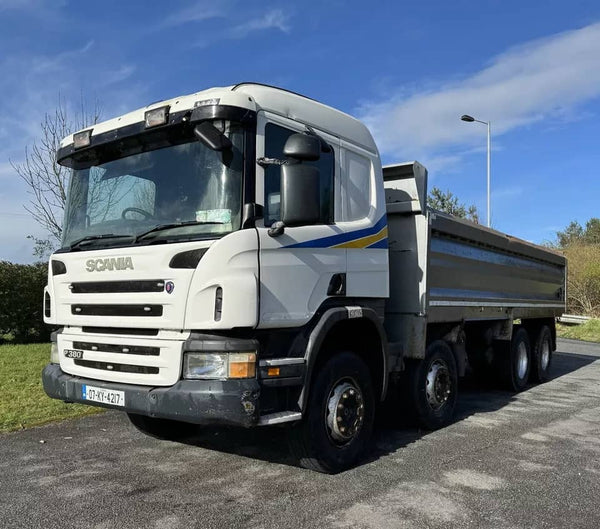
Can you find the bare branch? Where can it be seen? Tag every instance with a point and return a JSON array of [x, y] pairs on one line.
[[46, 180]]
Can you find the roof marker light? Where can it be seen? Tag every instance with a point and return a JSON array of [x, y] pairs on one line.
[[207, 102], [82, 139], [156, 116]]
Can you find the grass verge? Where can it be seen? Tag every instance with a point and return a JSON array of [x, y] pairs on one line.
[[588, 331], [23, 402]]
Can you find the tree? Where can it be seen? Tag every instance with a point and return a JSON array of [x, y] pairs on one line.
[[46, 180], [583, 282], [449, 203], [574, 233], [581, 246]]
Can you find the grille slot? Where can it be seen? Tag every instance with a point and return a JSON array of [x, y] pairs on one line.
[[114, 287], [119, 368], [120, 349], [120, 330], [117, 310]]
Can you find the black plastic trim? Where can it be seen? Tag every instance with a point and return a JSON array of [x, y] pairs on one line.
[[111, 287], [227, 402], [117, 310], [58, 267], [178, 130], [116, 348]]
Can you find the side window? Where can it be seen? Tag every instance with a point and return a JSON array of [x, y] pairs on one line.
[[275, 138], [356, 186]]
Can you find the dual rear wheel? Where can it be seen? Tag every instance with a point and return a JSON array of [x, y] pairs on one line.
[[525, 361]]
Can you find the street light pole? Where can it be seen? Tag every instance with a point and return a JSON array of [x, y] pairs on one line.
[[470, 119], [489, 153]]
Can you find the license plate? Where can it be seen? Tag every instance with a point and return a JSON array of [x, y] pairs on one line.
[[102, 395]]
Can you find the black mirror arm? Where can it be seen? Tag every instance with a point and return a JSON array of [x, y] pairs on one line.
[[276, 229], [264, 161], [325, 147]]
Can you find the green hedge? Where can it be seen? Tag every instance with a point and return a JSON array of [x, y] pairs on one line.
[[21, 302]]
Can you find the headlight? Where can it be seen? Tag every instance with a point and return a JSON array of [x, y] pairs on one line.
[[54, 357], [219, 365]]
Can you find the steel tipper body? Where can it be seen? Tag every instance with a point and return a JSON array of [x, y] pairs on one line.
[[238, 256]]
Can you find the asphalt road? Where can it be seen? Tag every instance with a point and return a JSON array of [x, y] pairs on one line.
[[525, 461]]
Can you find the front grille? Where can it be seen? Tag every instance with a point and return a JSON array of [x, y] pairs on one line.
[[117, 310], [120, 349], [120, 368], [114, 287], [120, 330]]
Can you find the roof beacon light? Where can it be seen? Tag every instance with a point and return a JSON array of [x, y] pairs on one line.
[[82, 139], [156, 116], [207, 102]]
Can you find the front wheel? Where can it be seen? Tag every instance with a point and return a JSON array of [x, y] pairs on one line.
[[431, 386], [162, 428], [338, 419]]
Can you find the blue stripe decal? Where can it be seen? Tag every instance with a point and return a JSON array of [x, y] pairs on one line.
[[334, 240], [383, 243]]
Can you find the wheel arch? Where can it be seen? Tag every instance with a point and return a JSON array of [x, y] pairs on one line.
[[354, 329]]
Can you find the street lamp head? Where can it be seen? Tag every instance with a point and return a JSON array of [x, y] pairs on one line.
[[466, 117]]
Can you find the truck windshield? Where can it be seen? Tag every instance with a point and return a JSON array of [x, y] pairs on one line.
[[181, 191]]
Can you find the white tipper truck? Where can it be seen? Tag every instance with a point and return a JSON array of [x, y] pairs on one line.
[[239, 256]]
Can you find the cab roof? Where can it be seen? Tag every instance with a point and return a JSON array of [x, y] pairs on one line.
[[256, 97]]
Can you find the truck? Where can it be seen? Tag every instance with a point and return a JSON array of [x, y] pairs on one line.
[[239, 256]]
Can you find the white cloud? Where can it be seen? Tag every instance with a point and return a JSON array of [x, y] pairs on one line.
[[197, 12], [535, 81], [273, 19]]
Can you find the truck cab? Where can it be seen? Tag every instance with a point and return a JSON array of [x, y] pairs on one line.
[[205, 238]]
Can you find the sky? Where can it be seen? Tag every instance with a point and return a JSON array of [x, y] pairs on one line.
[[409, 70]]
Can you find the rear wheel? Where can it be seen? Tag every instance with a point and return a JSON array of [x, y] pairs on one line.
[[162, 428], [516, 365], [542, 355], [431, 386], [338, 419]]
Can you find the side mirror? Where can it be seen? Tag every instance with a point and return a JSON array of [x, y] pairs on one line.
[[300, 195], [212, 137], [303, 147]]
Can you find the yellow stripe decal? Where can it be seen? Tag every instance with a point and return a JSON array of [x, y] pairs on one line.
[[363, 242]]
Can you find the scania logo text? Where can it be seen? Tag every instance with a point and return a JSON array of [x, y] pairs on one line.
[[109, 264]]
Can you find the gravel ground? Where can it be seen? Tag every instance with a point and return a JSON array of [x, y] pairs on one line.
[[530, 460]]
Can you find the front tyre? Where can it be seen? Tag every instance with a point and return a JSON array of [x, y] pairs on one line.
[[162, 428], [338, 420], [431, 386]]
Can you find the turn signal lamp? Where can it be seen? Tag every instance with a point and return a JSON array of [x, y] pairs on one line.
[[242, 365], [82, 139], [156, 116]]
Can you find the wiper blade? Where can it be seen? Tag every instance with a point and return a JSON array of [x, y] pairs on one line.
[[161, 227], [87, 238]]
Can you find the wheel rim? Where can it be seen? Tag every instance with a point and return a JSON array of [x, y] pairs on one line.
[[345, 411], [438, 384], [545, 357], [522, 360]]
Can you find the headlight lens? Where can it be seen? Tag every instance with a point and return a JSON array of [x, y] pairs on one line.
[[54, 357], [219, 365]]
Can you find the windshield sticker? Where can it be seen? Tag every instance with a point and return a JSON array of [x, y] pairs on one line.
[[222, 216]]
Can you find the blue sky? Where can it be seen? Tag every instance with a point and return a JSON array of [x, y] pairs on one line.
[[409, 69]]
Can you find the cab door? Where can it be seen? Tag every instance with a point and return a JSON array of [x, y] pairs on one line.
[[296, 267]]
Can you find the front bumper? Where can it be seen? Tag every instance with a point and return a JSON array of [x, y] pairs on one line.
[[232, 402]]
